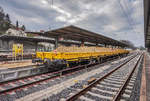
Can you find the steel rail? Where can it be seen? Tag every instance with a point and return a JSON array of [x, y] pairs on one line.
[[25, 77], [50, 76], [119, 93], [78, 94]]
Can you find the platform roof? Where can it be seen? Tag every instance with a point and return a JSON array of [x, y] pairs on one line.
[[147, 22], [32, 39], [78, 34]]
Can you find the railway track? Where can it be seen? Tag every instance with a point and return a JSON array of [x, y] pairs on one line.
[[113, 86], [31, 80]]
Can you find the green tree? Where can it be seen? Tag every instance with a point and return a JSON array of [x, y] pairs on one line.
[[1, 14], [7, 19], [1, 18], [4, 20], [17, 24], [7, 22], [23, 27]]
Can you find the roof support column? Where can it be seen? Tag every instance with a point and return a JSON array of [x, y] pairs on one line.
[[96, 44], [117, 46], [5, 44], [106, 45], [1, 43], [82, 43], [56, 42], [36, 46], [148, 49], [112, 47]]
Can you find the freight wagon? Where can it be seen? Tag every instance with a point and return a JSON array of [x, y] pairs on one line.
[[60, 60]]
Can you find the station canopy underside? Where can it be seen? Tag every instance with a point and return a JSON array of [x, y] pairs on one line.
[[77, 34], [147, 22], [30, 39]]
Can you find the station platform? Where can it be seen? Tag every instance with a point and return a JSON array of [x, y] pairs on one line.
[[17, 69], [15, 64], [145, 82]]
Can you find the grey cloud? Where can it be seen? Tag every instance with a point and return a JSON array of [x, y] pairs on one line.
[[102, 16]]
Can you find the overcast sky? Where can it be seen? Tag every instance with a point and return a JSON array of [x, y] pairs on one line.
[[118, 19]]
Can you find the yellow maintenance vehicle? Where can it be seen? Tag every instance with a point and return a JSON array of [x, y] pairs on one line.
[[59, 60]]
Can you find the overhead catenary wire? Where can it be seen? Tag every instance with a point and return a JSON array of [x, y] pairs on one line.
[[129, 20], [136, 9]]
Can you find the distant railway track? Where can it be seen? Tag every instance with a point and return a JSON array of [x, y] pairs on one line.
[[5, 58], [113, 84], [35, 79], [8, 59]]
